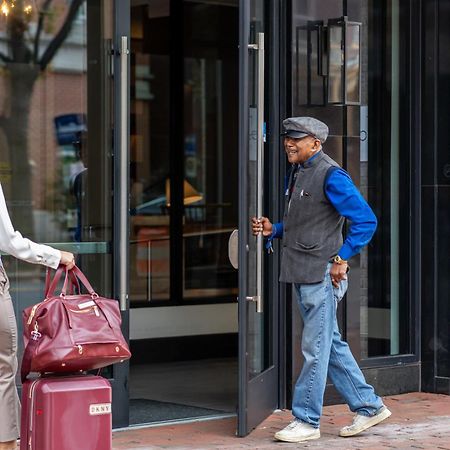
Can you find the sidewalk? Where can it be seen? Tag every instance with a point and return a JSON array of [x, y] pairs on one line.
[[418, 421]]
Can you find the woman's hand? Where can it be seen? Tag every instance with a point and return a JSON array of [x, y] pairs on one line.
[[262, 225], [67, 259]]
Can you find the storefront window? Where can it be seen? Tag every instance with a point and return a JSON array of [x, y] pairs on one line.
[[439, 187], [55, 141], [385, 182], [370, 139]]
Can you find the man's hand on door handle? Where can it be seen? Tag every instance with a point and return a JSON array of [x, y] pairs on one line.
[[262, 225]]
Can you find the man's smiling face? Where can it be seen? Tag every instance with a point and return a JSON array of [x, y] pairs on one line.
[[299, 150]]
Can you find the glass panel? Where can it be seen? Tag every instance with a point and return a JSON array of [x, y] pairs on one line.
[[352, 37], [304, 13], [300, 66], [210, 175], [442, 343], [149, 155], [317, 81], [210, 166], [335, 64], [440, 185], [55, 139], [384, 265]]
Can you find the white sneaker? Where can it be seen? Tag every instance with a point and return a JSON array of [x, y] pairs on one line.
[[361, 423], [297, 431]]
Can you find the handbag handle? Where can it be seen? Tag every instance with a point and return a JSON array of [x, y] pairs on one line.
[[51, 286], [77, 273]]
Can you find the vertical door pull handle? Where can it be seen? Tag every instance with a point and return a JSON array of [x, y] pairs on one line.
[[259, 47], [123, 170]]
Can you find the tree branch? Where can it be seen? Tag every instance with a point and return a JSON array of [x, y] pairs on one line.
[[5, 58], [37, 38], [57, 41]]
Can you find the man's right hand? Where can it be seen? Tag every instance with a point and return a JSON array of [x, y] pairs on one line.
[[262, 225]]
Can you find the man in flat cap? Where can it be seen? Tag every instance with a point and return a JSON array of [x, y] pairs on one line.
[[319, 195]]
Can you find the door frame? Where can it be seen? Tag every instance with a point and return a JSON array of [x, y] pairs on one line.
[[260, 396], [121, 133]]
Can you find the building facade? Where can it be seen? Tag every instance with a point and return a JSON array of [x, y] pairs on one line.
[[140, 134]]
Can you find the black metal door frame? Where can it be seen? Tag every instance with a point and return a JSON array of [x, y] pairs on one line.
[[121, 133], [433, 183], [260, 395]]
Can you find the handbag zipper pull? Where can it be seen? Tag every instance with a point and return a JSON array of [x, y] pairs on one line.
[[80, 349], [32, 313], [35, 335]]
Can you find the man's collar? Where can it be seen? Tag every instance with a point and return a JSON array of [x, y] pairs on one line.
[[312, 160]]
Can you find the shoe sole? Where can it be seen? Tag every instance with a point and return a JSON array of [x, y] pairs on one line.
[[293, 440], [375, 421]]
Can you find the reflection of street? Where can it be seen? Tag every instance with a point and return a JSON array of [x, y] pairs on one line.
[[207, 270], [78, 181]]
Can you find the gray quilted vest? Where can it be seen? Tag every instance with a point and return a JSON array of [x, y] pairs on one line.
[[312, 227]]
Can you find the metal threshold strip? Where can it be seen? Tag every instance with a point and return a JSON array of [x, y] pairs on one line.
[[163, 423]]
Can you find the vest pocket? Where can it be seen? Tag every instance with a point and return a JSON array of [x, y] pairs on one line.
[[302, 246]]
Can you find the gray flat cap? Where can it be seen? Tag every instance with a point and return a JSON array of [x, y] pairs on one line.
[[299, 127]]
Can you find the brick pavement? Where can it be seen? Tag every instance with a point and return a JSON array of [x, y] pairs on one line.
[[419, 421]]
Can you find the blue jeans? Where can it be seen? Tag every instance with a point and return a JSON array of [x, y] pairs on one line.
[[325, 353]]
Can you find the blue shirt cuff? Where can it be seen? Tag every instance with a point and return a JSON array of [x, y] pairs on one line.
[[277, 230], [346, 252]]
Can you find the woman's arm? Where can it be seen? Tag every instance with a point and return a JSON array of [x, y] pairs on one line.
[[13, 243]]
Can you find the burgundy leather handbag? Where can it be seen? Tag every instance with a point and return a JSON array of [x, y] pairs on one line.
[[68, 333]]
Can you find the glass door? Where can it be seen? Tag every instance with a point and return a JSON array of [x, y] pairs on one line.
[[258, 370]]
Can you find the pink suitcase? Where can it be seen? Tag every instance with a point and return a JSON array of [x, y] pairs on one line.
[[66, 413]]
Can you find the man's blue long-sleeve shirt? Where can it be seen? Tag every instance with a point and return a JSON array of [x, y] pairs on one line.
[[349, 203]]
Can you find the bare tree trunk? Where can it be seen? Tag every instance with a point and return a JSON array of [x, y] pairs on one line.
[[16, 129]]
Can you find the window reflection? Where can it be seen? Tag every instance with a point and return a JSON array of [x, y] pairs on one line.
[[352, 61], [335, 64], [209, 153], [369, 141], [55, 144], [384, 314], [209, 221]]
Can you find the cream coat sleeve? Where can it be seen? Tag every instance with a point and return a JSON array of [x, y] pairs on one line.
[[13, 243]]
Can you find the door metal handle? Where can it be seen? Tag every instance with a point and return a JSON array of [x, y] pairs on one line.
[[123, 171], [233, 248], [259, 47], [258, 300]]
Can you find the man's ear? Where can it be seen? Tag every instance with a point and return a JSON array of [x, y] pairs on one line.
[[317, 144]]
